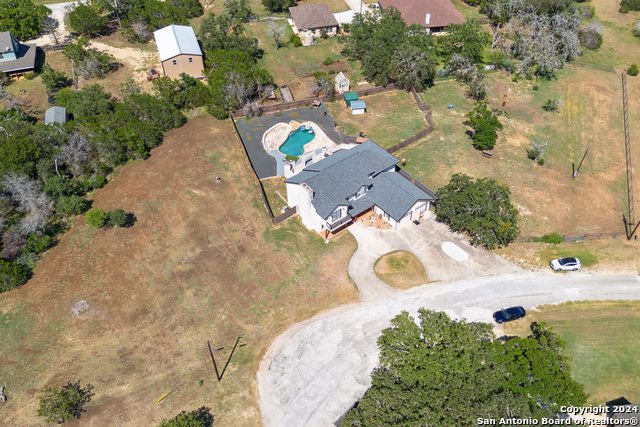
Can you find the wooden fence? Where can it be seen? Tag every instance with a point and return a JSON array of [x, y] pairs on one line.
[[415, 137], [284, 106], [274, 219], [421, 105], [425, 189], [54, 47]]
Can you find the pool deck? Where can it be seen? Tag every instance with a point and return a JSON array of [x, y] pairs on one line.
[[251, 132]]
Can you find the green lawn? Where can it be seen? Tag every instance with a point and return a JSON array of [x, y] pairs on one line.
[[294, 66], [274, 188], [548, 198], [603, 338], [391, 118]]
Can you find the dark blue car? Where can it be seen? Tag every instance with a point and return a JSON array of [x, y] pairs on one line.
[[509, 314]]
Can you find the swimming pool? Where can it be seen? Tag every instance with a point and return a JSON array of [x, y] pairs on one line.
[[294, 145]]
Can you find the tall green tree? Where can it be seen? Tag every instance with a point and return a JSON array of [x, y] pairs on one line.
[[486, 124], [89, 101], [22, 17], [480, 208], [438, 373], [389, 51], [468, 40], [225, 32], [278, 5], [86, 21], [235, 79], [441, 372]]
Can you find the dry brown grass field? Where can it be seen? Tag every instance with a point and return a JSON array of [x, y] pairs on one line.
[[202, 262]]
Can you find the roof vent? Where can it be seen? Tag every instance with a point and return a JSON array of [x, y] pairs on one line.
[[371, 174]]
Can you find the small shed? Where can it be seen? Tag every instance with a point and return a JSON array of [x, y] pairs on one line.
[[342, 83], [55, 115], [285, 94], [358, 107], [349, 97]]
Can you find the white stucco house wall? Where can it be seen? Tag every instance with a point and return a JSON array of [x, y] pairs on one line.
[[333, 191]]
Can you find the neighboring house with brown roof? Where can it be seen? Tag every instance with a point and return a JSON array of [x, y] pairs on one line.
[[15, 57], [309, 20], [434, 15]]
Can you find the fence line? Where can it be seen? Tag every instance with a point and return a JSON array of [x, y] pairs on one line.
[[404, 174], [573, 237], [415, 137], [421, 105], [54, 47], [284, 106], [274, 219]]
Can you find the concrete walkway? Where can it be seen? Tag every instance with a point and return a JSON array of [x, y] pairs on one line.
[[446, 256], [313, 373]]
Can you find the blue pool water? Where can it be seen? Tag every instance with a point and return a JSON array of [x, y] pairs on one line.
[[294, 145]]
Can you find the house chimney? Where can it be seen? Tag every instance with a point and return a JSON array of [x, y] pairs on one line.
[[428, 19]]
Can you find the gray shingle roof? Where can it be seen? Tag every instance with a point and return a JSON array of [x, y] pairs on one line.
[[313, 16], [5, 41], [26, 55], [340, 175]]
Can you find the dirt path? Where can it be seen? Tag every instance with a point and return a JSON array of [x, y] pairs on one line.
[[136, 59]]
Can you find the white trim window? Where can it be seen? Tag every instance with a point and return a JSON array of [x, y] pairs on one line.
[[336, 215]]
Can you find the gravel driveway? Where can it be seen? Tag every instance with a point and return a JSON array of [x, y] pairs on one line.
[[313, 373], [446, 256]]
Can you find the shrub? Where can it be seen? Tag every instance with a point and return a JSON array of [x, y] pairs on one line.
[[323, 33], [38, 244], [535, 87], [328, 61], [540, 162], [11, 275], [201, 417], [554, 238], [64, 404], [552, 105], [532, 154], [30, 76], [118, 218], [590, 39], [97, 181], [73, 205], [53, 79], [633, 70], [295, 40], [346, 27], [96, 217], [629, 5], [332, 71]]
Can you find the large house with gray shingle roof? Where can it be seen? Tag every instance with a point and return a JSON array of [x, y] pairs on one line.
[[332, 192], [310, 19]]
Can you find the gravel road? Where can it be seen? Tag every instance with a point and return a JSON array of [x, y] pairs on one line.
[[314, 372]]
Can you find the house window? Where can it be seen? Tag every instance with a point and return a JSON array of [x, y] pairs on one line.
[[174, 62], [190, 59], [361, 191], [1, 55], [336, 215]]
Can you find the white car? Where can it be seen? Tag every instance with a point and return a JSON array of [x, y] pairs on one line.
[[565, 264]]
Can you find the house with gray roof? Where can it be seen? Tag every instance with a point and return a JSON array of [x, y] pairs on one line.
[[308, 21], [330, 193], [15, 57]]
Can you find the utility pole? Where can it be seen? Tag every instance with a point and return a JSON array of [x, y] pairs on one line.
[[575, 173]]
